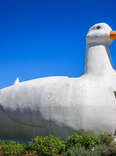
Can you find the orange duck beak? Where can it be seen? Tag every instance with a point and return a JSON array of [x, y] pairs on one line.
[[113, 34]]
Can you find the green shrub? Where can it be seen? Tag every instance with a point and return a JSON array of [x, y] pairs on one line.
[[89, 140], [47, 146], [12, 148], [73, 140], [111, 151], [81, 151], [101, 149], [81, 144], [105, 139], [74, 151], [79, 140]]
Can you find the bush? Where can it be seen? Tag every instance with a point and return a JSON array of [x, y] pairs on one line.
[[105, 139], [101, 149], [47, 146], [73, 140], [81, 144], [81, 151], [79, 140], [111, 151], [12, 148], [75, 151], [89, 140]]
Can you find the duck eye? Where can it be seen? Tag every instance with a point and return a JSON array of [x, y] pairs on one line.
[[98, 27]]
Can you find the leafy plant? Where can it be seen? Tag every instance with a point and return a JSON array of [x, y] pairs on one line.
[[105, 139], [77, 144], [111, 151], [82, 151], [73, 140], [75, 151], [12, 148], [101, 149], [89, 140], [47, 146], [79, 140]]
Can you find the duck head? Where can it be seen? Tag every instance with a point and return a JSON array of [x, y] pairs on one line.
[[100, 33]]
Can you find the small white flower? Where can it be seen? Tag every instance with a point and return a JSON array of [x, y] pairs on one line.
[[114, 139], [93, 148]]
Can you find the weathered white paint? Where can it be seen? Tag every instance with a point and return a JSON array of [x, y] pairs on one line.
[[62, 105]]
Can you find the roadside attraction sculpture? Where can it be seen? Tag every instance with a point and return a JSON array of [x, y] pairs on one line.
[[62, 105]]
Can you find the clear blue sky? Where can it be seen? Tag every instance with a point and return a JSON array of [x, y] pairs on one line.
[[47, 37]]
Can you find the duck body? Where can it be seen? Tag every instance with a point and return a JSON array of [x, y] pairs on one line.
[[61, 105], [39, 107], [57, 106]]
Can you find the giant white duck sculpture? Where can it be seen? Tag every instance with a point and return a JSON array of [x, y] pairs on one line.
[[62, 105]]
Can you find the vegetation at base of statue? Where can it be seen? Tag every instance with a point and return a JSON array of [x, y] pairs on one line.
[[75, 145]]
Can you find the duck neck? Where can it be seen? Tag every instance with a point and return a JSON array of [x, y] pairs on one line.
[[98, 60]]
